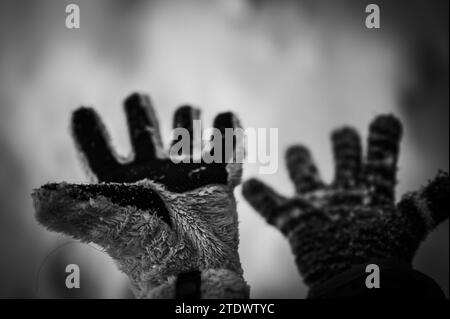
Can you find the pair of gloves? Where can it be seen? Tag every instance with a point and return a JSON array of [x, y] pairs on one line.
[[173, 228]]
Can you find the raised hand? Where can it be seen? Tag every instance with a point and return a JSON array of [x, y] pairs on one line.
[[354, 220], [158, 220]]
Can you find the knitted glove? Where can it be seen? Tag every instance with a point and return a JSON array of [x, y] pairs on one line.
[[172, 228], [354, 220]]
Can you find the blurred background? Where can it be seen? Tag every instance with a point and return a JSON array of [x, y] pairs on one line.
[[304, 67]]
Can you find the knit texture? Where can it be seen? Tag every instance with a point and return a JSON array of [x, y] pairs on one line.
[[155, 218], [354, 219]]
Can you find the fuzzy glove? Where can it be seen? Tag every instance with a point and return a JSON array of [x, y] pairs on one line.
[[332, 228], [172, 228]]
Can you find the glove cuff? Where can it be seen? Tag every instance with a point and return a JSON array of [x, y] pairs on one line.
[[397, 279], [212, 284]]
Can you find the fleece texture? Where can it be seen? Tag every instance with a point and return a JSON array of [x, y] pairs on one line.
[[155, 218], [332, 228]]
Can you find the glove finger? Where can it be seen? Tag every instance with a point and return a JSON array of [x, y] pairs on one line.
[[230, 143], [347, 157], [230, 146], [302, 170], [431, 203], [92, 140], [263, 199], [184, 118], [94, 212], [382, 155], [143, 127]]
